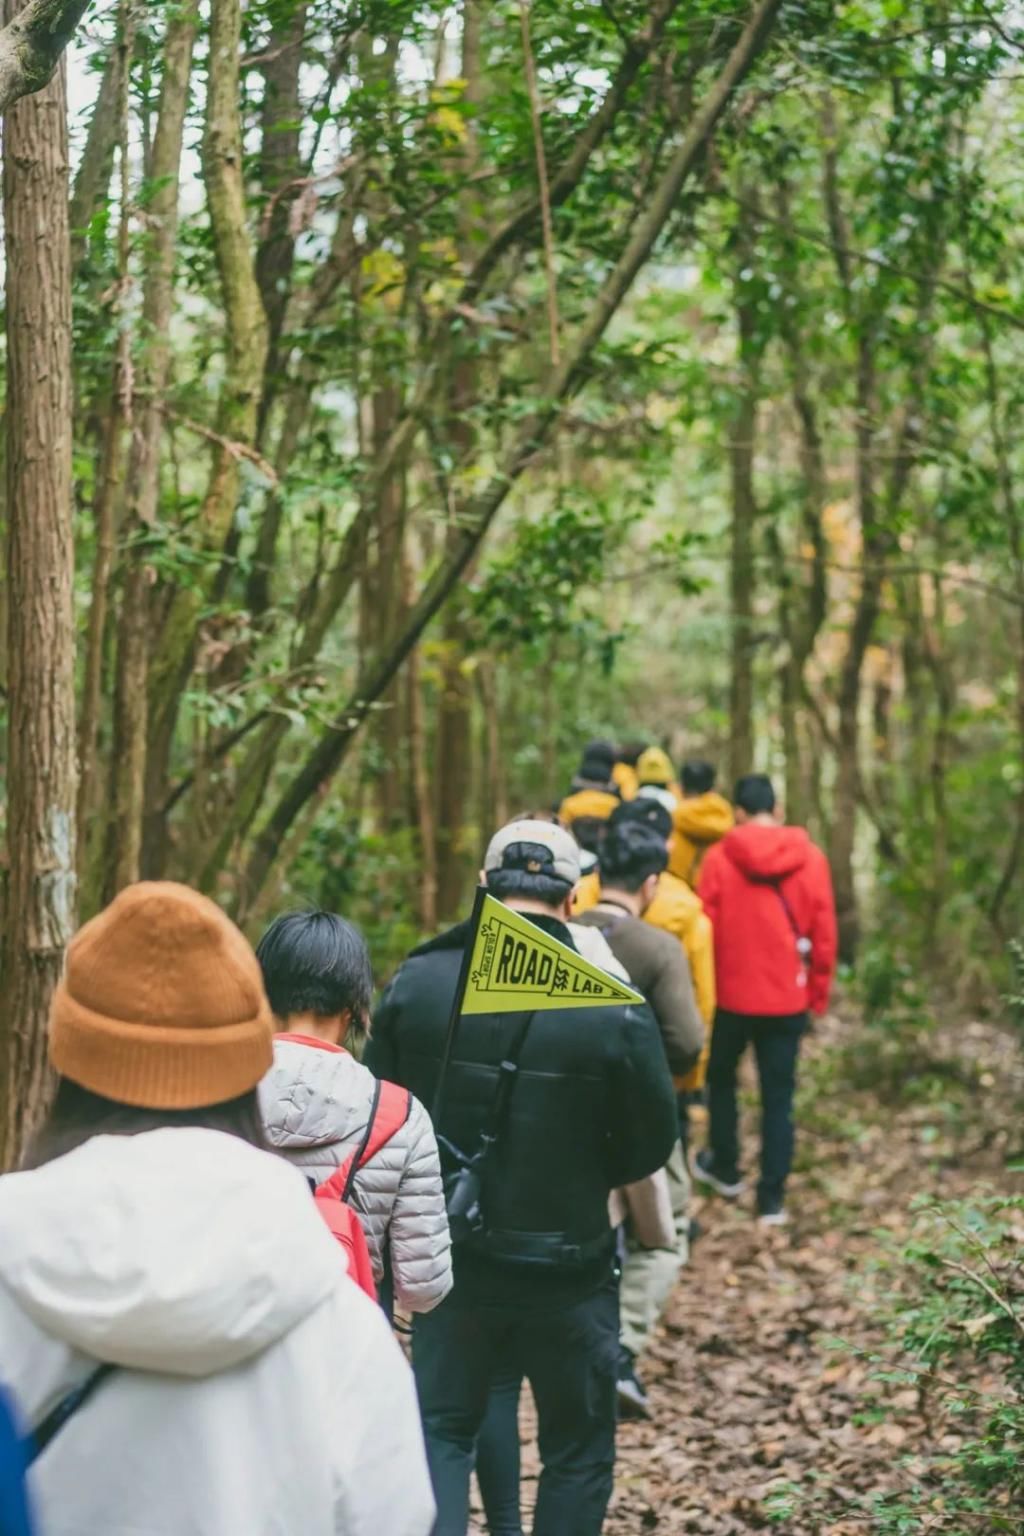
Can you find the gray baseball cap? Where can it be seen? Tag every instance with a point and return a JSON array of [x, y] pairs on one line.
[[563, 864]]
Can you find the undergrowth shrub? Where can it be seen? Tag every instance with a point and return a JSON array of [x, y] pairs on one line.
[[954, 1317]]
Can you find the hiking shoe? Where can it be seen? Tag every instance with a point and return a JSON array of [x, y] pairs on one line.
[[704, 1171], [633, 1400], [774, 1216]]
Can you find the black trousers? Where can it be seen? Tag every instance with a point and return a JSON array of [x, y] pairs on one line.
[[569, 1355], [776, 1043], [498, 1459]]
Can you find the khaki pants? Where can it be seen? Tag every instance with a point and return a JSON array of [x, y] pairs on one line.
[[649, 1274]]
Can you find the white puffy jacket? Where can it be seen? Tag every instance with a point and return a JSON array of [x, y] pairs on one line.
[[260, 1393], [315, 1101]]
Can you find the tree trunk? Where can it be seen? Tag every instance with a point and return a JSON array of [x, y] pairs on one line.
[[494, 803], [41, 889], [383, 596], [32, 44], [454, 748], [122, 863], [96, 165], [279, 169], [423, 806], [110, 469], [453, 759], [741, 568], [804, 598], [238, 406], [845, 796]]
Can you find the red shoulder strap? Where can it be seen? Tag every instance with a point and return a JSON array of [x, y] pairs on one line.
[[388, 1113], [393, 1108]]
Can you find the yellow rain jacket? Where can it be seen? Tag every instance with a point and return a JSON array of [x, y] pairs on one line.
[[697, 824], [654, 766], [598, 803], [625, 777], [677, 910]]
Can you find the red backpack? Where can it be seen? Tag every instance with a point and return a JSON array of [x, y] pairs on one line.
[[388, 1113]]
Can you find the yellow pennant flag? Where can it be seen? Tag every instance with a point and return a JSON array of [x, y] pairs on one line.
[[516, 967]]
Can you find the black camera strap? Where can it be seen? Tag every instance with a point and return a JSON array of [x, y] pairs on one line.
[[58, 1416], [497, 1113], [508, 1071]]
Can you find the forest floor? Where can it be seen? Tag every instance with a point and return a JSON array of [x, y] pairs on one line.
[[769, 1413]]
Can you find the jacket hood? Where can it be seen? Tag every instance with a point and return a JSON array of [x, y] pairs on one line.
[[767, 853], [313, 1097], [183, 1251], [705, 818]]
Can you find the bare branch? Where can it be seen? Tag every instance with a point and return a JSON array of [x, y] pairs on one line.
[[543, 188]]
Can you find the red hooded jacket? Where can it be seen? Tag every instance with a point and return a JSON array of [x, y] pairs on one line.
[[758, 964]]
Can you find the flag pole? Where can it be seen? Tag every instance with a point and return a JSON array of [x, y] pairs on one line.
[[457, 1001]]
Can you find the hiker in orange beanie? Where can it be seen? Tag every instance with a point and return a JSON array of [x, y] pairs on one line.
[[161, 1273]]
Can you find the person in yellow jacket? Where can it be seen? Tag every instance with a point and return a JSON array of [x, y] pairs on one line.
[[593, 795], [701, 818], [654, 772], [624, 771]]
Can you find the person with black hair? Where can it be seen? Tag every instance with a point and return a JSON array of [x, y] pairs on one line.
[[768, 892], [633, 857], [318, 1104], [592, 1108], [674, 908], [702, 818], [593, 795]]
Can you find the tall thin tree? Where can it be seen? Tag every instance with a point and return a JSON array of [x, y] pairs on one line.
[[41, 891]]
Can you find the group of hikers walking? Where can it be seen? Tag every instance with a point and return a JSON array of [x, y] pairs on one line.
[[250, 1183]]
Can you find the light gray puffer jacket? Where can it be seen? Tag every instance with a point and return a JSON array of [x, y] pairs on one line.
[[315, 1104]]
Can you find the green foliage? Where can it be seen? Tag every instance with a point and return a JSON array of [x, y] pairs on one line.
[[1015, 997], [602, 601], [955, 1318]]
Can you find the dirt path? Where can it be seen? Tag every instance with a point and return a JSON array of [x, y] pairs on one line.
[[763, 1419]]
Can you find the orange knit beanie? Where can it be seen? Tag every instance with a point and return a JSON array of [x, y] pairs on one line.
[[161, 1005]]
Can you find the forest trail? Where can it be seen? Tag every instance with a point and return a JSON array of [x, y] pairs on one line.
[[753, 1393]]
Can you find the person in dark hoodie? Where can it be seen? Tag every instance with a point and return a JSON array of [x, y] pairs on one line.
[[768, 892], [592, 1107]]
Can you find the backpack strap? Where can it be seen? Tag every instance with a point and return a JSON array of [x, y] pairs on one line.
[[389, 1110], [776, 886], [392, 1107], [66, 1409]]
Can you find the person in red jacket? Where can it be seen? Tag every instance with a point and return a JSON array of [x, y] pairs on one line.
[[768, 892]]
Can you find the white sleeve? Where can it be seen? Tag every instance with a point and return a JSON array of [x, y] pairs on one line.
[[382, 1484]]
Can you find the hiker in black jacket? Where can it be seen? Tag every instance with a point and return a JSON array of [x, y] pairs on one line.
[[535, 1292]]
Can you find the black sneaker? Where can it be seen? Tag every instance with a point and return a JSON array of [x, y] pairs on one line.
[[704, 1171], [633, 1401]]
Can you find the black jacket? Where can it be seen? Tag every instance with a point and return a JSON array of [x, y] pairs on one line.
[[592, 1108]]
